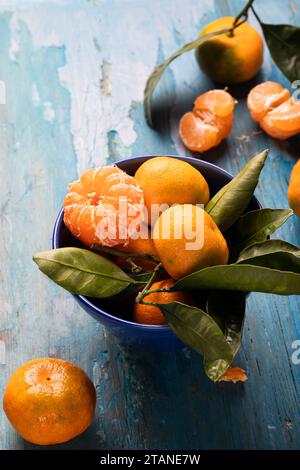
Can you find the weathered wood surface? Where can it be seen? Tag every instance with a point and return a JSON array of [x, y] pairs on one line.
[[74, 74]]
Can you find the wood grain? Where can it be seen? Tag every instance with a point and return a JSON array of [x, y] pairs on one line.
[[74, 73]]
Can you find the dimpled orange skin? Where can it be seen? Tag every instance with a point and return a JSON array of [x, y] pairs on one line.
[[294, 189], [232, 58], [210, 121], [96, 198], [49, 401], [273, 108], [150, 314], [179, 261], [166, 180]]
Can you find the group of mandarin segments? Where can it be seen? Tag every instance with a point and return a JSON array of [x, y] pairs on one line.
[[49, 400]]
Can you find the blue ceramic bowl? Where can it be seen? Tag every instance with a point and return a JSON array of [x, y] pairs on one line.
[[113, 313]]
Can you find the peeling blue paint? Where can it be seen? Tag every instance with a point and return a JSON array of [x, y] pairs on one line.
[[48, 129]]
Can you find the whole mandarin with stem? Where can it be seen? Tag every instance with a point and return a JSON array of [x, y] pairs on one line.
[[151, 314], [232, 57]]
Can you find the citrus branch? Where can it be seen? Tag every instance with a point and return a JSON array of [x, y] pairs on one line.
[[145, 290], [243, 14], [123, 254]]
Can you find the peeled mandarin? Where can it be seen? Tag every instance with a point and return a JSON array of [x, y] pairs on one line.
[[265, 97], [102, 206], [197, 134], [275, 110], [187, 239], [283, 122], [210, 121]]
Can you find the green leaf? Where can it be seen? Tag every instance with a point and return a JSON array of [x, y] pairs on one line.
[[198, 330], [228, 310], [159, 70], [244, 278], [231, 201], [281, 261], [267, 247], [256, 226], [82, 272], [283, 41]]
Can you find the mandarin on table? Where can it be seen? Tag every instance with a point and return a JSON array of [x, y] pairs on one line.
[[49, 401], [230, 58], [210, 121], [294, 189], [150, 314], [167, 181], [275, 110], [179, 250], [94, 206]]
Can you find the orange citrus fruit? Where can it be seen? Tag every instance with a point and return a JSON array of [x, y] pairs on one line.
[[49, 401], [103, 207], [150, 314], [294, 189], [166, 181], [187, 239], [209, 123], [264, 98], [230, 58], [275, 110]]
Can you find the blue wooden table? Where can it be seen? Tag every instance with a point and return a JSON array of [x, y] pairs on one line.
[[74, 73]]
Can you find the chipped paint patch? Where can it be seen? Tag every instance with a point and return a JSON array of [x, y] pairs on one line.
[[14, 47], [48, 113], [35, 95], [105, 80]]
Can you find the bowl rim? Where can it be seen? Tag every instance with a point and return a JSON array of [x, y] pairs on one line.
[[85, 300]]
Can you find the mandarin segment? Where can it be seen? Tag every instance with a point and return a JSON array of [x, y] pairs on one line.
[[275, 110], [187, 239], [265, 97], [49, 401], [102, 206], [150, 314], [230, 58], [283, 122], [210, 121], [197, 134]]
